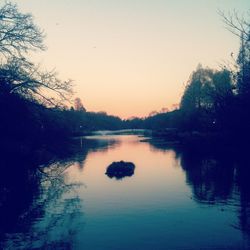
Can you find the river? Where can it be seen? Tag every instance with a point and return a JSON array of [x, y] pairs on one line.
[[176, 199]]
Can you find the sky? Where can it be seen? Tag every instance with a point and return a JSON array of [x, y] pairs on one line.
[[131, 57]]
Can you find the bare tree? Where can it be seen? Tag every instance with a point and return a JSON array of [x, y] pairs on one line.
[[18, 36], [237, 25], [19, 76], [18, 33], [240, 26]]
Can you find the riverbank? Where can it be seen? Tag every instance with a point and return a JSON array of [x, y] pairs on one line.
[[200, 141]]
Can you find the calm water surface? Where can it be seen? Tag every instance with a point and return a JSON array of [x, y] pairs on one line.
[[176, 199]]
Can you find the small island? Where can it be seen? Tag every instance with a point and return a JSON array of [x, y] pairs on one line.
[[120, 169]]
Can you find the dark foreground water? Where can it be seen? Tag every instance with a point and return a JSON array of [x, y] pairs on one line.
[[176, 199]]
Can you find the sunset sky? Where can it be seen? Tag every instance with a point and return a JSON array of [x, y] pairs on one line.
[[130, 57]]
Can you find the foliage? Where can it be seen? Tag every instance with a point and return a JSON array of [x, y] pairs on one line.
[[207, 89], [18, 76], [207, 95], [32, 101], [78, 105], [26, 91], [240, 26], [18, 36], [18, 33], [243, 61]]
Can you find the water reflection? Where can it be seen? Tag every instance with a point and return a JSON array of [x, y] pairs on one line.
[[218, 178], [175, 195], [221, 179], [46, 212], [39, 208], [211, 178]]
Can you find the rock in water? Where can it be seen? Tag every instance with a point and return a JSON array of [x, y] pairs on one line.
[[120, 169]]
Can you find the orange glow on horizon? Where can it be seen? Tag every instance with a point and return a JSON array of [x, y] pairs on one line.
[[129, 58]]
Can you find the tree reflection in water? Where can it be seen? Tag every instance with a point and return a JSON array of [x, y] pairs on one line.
[[210, 177], [243, 191], [39, 207], [217, 178], [52, 216]]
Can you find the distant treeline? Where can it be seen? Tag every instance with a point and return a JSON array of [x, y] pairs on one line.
[[215, 103], [36, 108]]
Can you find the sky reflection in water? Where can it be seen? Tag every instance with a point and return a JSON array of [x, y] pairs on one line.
[[175, 200]]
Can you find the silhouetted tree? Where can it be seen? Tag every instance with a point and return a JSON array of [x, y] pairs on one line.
[[243, 77], [18, 36], [18, 76], [195, 95], [26, 91], [18, 33], [78, 105], [206, 96], [240, 27]]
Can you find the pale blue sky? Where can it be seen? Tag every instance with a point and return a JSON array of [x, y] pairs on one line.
[[131, 57]]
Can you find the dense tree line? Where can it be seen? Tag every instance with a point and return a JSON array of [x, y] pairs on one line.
[[34, 104], [214, 102], [29, 97], [219, 100]]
